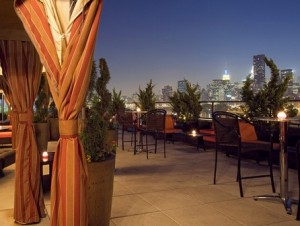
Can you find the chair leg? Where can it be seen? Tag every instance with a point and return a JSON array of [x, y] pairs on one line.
[[239, 176], [147, 150], [132, 132], [165, 138], [134, 146], [122, 139], [216, 160], [155, 137]]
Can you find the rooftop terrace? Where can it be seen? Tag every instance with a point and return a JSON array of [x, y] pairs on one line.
[[178, 190]]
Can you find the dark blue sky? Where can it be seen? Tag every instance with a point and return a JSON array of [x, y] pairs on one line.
[[169, 40]]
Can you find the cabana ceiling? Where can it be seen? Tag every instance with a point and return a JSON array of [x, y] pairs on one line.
[[11, 28]]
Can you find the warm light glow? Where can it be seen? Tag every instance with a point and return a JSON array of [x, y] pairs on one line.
[[281, 115], [194, 132], [138, 109], [45, 156]]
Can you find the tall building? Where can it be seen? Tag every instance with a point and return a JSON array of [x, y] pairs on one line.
[[291, 90], [217, 89], [259, 71], [167, 91], [226, 76], [181, 86], [287, 72]]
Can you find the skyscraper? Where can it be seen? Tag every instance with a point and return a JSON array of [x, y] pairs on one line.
[[287, 72], [259, 71], [182, 86], [167, 91], [226, 76], [291, 90]]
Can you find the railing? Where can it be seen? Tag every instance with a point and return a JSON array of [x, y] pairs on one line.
[[210, 106]]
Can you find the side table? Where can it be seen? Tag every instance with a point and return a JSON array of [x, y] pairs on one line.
[[199, 139]]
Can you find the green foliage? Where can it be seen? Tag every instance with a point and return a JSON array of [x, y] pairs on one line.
[[98, 117], [92, 83], [269, 100], [146, 97], [187, 104], [53, 113], [118, 104], [93, 136], [41, 102]]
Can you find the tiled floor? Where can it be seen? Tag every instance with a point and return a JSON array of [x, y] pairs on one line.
[[178, 190]]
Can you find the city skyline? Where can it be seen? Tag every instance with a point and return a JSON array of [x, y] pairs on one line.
[[167, 41]]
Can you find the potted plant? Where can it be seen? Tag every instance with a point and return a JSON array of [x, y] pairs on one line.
[[99, 147], [268, 101], [186, 106], [40, 115], [146, 97], [118, 104]]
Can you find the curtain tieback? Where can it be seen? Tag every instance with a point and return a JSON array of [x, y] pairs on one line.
[[25, 117], [68, 128]]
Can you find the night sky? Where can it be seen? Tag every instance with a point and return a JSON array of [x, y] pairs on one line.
[[169, 40]]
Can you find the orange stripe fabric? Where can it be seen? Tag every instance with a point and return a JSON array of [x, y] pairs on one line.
[[22, 71], [69, 82]]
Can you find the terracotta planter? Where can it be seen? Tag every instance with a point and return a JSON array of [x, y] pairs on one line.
[[100, 191], [41, 135]]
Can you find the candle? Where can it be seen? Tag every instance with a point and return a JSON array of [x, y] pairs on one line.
[[45, 156], [194, 132], [138, 109], [281, 115]]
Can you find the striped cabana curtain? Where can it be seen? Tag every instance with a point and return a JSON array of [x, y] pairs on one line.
[[22, 71], [66, 50]]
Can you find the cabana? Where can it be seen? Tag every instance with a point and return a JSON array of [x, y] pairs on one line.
[[65, 46]]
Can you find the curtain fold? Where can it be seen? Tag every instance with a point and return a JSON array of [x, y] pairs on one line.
[[22, 71], [68, 71]]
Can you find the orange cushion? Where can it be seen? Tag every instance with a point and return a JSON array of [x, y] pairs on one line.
[[207, 131], [247, 131], [173, 131], [169, 123], [209, 139], [5, 134]]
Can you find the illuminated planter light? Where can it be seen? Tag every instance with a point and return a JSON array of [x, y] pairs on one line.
[[45, 156], [281, 115]]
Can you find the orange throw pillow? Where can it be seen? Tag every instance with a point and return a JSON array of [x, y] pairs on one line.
[[247, 131]]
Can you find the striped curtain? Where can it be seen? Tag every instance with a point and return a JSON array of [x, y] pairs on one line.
[[68, 76], [22, 71]]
